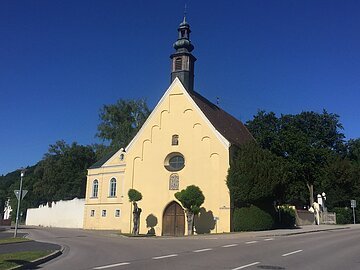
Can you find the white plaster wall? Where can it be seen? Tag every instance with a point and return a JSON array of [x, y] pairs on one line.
[[61, 214]]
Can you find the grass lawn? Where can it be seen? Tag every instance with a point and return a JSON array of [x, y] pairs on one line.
[[10, 260], [13, 240]]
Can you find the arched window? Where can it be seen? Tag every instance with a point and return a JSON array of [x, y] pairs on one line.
[[174, 182], [112, 187], [175, 140], [95, 188], [178, 64]]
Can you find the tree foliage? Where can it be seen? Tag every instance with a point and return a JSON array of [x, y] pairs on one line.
[[121, 121], [255, 175], [191, 199], [305, 140], [134, 195], [62, 172], [353, 150], [60, 175]]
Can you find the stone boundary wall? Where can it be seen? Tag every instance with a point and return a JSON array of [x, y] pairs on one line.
[[304, 217], [60, 214]]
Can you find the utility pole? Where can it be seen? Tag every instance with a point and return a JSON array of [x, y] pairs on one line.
[[19, 201]]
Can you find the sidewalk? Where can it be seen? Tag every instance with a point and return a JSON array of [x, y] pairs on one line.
[[273, 233], [301, 230], [305, 229]]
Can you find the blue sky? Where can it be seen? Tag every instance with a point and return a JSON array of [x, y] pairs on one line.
[[60, 61]]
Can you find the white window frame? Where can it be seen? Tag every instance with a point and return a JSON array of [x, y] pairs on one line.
[[95, 189], [112, 187]]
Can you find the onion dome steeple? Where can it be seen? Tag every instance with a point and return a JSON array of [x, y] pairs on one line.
[[182, 60]]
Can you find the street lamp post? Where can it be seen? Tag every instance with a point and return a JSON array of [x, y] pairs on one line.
[[324, 199], [19, 201]]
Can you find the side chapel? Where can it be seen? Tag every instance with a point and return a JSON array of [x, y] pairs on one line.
[[186, 140]]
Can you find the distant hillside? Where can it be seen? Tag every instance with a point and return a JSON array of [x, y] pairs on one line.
[[9, 183], [60, 175]]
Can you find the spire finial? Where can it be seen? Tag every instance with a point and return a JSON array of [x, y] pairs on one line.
[[185, 12]]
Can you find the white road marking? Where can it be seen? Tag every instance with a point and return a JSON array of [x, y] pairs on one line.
[[291, 253], [244, 266], [251, 242], [231, 245], [202, 250], [111, 265], [163, 257], [268, 239]]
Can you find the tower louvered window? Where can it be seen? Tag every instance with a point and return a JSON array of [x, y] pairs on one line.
[[178, 64]]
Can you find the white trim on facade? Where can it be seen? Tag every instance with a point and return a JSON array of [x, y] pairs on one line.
[[224, 141]]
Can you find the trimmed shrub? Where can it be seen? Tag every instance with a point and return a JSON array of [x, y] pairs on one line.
[[286, 217], [252, 219], [343, 215]]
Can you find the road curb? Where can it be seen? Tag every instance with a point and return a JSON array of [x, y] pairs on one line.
[[41, 260]]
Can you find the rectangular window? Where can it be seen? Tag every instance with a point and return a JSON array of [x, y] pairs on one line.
[[117, 213], [175, 140], [92, 213], [103, 213]]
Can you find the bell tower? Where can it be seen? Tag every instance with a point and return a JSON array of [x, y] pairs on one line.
[[182, 60]]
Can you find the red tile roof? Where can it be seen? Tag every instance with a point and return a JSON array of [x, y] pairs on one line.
[[228, 126]]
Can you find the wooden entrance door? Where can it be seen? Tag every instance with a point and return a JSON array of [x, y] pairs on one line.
[[173, 220]]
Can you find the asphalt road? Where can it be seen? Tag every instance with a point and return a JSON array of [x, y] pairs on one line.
[[102, 250]]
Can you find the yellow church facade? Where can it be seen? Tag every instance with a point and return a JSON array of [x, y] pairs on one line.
[[186, 140]]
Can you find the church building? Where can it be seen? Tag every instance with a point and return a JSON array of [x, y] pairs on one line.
[[186, 140]]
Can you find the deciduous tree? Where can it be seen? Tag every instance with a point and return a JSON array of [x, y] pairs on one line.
[[191, 199], [62, 172], [305, 140], [121, 121], [134, 197]]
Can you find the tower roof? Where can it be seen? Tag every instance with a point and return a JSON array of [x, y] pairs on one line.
[[183, 43]]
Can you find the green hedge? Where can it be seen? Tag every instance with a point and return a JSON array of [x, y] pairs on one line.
[[252, 219], [286, 217], [344, 215]]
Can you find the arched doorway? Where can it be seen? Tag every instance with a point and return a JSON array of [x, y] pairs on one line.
[[173, 220]]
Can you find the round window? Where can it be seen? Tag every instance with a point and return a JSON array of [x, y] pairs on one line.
[[174, 162]]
